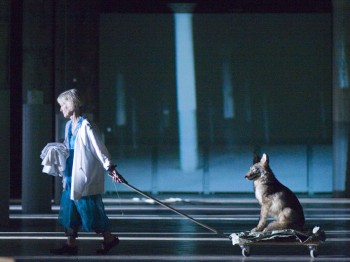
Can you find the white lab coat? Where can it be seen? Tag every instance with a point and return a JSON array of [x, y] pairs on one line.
[[91, 158]]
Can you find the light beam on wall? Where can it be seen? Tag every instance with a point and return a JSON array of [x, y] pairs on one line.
[[186, 91]]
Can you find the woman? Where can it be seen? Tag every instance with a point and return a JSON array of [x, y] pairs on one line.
[[83, 181]]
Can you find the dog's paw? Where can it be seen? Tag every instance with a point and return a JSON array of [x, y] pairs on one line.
[[255, 229], [258, 229]]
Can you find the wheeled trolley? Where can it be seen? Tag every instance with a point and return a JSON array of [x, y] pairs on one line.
[[288, 237], [313, 247]]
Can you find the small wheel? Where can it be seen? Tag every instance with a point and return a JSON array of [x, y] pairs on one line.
[[313, 251], [245, 251]]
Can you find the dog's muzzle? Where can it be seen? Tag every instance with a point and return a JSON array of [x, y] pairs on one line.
[[251, 176]]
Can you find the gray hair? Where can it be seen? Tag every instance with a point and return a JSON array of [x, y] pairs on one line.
[[71, 96]]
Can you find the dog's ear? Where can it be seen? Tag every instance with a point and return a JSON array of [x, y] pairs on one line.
[[256, 158], [265, 159]]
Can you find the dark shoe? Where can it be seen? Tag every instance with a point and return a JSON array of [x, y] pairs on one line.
[[107, 246], [65, 249]]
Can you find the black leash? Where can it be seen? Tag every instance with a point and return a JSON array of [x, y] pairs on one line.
[[124, 182]]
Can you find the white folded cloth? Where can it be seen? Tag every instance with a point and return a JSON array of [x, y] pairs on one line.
[[54, 156]]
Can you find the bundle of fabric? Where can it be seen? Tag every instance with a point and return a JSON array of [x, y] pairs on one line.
[[287, 235], [54, 156]]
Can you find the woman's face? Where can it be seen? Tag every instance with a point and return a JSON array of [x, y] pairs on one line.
[[67, 109]]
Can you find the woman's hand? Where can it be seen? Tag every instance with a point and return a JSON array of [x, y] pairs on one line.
[[112, 172]]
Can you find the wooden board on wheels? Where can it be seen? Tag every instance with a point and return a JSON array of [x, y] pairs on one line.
[[288, 237]]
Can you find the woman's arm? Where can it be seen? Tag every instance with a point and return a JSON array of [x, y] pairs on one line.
[[98, 147]]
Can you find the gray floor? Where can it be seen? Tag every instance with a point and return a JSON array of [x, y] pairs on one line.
[[150, 232]]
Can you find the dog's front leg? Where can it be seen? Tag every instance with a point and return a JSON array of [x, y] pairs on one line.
[[262, 221]]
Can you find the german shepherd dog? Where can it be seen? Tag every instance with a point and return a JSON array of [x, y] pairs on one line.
[[274, 198]]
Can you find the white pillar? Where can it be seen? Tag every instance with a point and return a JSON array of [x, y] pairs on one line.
[[228, 101], [247, 102], [120, 118], [341, 98], [266, 119], [227, 90], [341, 42], [186, 90], [120, 110]]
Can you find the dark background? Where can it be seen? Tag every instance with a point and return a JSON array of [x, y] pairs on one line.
[[281, 50]]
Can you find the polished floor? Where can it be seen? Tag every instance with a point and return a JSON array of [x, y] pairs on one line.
[[150, 232]]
